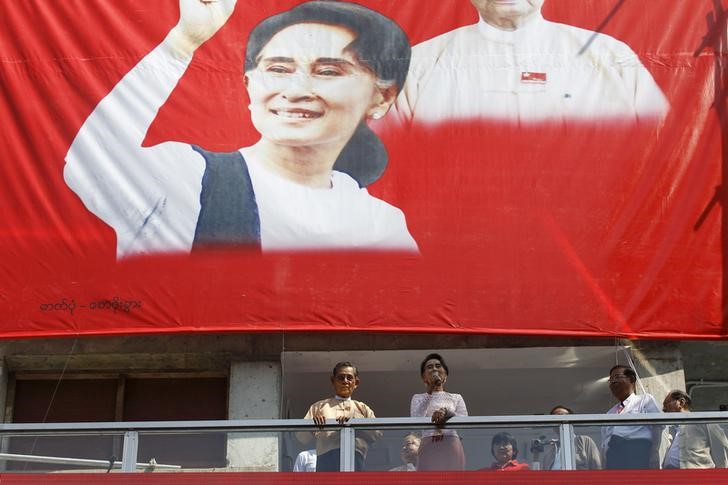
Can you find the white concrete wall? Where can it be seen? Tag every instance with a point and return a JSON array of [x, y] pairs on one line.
[[255, 393], [660, 370]]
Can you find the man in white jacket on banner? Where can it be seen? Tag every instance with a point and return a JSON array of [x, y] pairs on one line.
[[516, 66]]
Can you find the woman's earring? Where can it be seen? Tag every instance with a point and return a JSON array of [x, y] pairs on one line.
[[250, 107], [377, 115]]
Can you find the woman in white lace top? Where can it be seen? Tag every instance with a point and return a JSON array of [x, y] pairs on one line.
[[441, 449]]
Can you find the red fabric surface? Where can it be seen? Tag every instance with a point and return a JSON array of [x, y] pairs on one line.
[[581, 230]]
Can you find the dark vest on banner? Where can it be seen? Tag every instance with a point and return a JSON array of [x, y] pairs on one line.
[[228, 210]]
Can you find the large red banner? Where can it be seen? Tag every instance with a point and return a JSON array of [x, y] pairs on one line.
[[543, 167]]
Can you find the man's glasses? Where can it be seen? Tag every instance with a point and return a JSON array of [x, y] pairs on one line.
[[617, 378]]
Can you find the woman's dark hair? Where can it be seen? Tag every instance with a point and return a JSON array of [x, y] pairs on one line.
[[434, 356], [504, 438], [677, 395], [379, 44], [627, 371]]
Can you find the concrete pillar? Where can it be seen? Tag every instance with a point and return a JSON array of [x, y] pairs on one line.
[[255, 393], [660, 368]]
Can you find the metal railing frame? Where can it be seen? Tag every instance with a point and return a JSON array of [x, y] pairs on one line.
[[565, 423]]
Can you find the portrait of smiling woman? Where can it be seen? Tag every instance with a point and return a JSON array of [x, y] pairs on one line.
[[314, 75]]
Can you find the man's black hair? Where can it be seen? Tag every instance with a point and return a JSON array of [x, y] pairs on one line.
[[569, 410], [341, 365], [677, 395], [627, 371]]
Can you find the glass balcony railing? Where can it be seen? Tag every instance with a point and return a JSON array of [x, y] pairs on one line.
[[571, 442]]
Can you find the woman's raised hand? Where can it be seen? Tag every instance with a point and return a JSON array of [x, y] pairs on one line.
[[199, 20]]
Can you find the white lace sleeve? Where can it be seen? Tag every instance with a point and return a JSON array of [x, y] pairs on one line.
[[418, 405], [460, 409]]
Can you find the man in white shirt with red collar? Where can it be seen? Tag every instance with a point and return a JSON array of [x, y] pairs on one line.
[[630, 446], [514, 65]]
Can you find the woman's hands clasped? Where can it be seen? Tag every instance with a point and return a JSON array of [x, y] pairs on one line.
[[199, 20], [440, 416]]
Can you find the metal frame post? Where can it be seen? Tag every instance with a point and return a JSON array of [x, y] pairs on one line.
[[348, 448], [566, 438], [131, 449]]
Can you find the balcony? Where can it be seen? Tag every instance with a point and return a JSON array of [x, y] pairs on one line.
[[250, 446]]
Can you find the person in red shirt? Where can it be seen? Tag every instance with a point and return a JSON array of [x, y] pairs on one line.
[[505, 450]]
